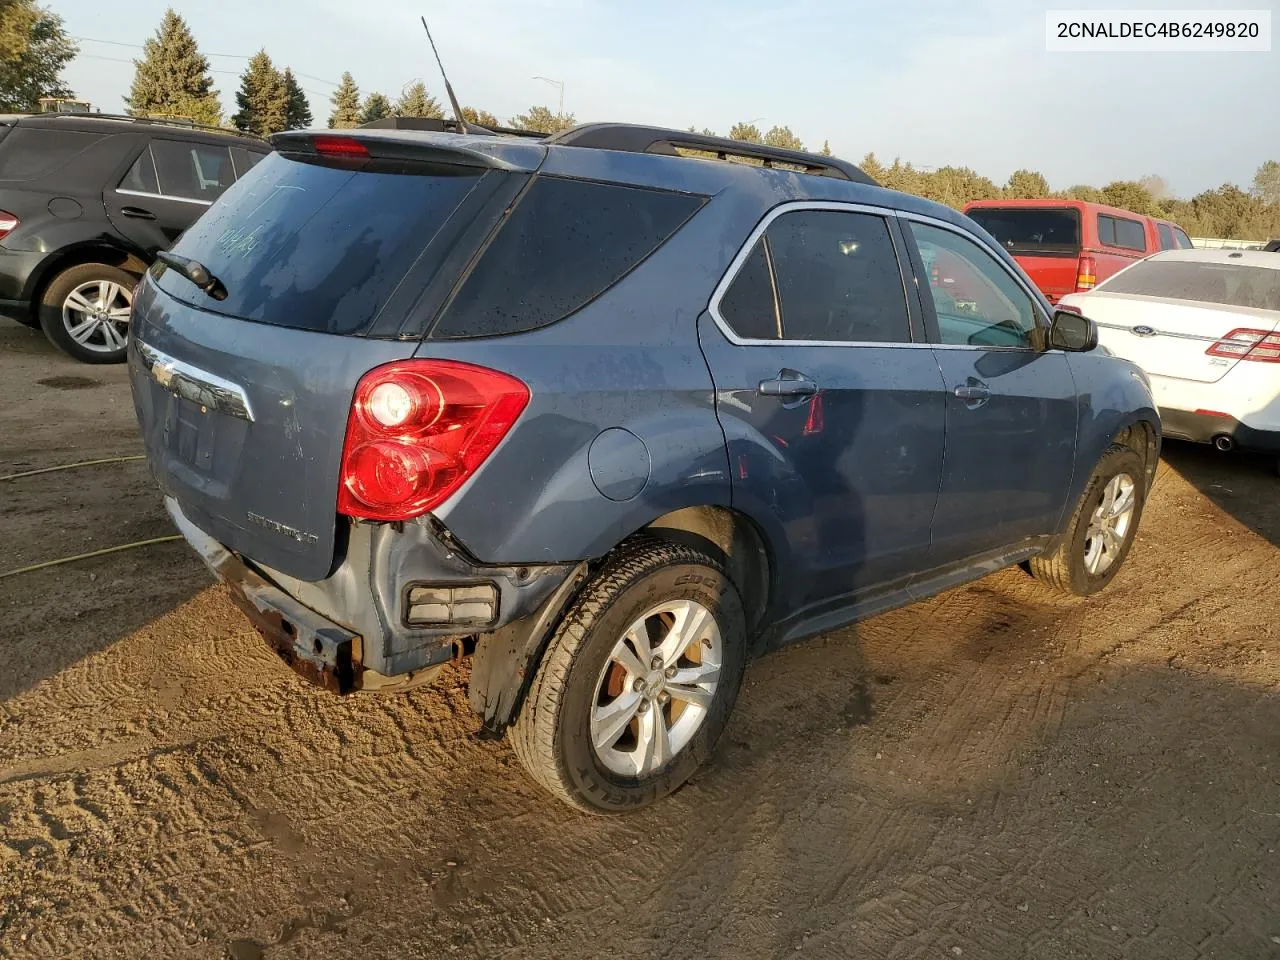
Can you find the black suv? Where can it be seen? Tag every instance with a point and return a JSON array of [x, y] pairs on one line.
[[85, 203]]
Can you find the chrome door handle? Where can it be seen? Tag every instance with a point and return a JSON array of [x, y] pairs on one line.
[[788, 383], [973, 392]]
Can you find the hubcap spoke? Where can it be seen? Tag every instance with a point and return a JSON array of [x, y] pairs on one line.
[[77, 302], [118, 313], [691, 621], [107, 294], [111, 333], [698, 696], [632, 651], [84, 330], [655, 744], [613, 718]]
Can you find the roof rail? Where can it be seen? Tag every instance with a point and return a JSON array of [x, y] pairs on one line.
[[632, 138], [440, 125], [162, 121]]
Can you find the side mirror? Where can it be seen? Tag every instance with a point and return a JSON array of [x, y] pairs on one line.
[[1072, 332]]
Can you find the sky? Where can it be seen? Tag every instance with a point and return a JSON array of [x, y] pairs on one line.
[[961, 84]]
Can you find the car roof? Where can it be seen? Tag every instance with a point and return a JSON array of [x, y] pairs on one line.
[[93, 122], [1248, 258], [1055, 203]]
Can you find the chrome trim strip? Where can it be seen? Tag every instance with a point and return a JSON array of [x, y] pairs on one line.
[[1157, 332], [160, 196], [199, 386]]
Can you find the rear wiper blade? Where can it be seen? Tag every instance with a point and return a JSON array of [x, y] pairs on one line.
[[196, 272]]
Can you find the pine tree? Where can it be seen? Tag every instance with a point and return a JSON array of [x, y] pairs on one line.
[[542, 120], [482, 118], [376, 106], [172, 78], [747, 132], [262, 98], [298, 111], [784, 138], [416, 102], [346, 105], [826, 148]]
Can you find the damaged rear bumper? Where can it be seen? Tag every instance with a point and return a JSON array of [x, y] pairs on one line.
[[322, 651]]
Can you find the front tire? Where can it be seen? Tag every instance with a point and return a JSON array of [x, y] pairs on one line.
[[85, 312], [638, 681], [1102, 529]]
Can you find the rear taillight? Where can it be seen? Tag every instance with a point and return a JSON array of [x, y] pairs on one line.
[[1247, 344], [417, 430], [1086, 274], [340, 148], [8, 223]]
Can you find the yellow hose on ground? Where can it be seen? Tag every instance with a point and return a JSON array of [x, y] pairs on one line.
[[70, 466], [86, 556]]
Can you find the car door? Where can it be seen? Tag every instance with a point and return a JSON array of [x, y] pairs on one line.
[[166, 189], [830, 404], [1010, 405]]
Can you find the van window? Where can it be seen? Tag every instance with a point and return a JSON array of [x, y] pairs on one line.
[[1167, 242], [1184, 242], [1121, 232], [30, 152], [1032, 231]]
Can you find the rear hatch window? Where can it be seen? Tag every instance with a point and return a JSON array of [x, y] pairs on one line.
[[315, 247], [1032, 231], [1236, 285]]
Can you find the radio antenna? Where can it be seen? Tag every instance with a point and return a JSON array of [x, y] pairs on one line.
[[448, 88]]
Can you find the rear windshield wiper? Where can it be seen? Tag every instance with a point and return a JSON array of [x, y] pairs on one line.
[[196, 272]]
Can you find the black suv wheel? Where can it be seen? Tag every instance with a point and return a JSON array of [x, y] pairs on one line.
[[638, 681], [85, 312]]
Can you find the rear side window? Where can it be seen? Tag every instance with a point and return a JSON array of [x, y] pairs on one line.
[[1237, 285], [1032, 231], [1184, 242], [1167, 242], [838, 278], [313, 247], [566, 242], [1121, 232], [192, 171], [141, 177], [749, 305], [30, 152]]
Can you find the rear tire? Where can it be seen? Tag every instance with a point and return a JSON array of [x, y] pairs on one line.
[[1100, 535], [85, 312], [605, 731]]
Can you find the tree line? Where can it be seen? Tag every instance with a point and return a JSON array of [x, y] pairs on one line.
[[173, 79]]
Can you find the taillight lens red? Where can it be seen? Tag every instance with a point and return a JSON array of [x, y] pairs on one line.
[[8, 223], [417, 430], [1245, 343], [340, 148], [1086, 274]]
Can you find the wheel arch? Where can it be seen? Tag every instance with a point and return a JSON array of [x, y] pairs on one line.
[[90, 251], [506, 660]]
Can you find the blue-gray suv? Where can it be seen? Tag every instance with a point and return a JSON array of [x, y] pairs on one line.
[[609, 416]]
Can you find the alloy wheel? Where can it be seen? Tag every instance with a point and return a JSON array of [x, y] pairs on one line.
[[96, 315], [654, 693]]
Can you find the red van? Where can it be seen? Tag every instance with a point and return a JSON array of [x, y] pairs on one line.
[[1071, 245]]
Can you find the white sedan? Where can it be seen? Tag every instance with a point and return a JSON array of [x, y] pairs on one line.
[[1203, 325]]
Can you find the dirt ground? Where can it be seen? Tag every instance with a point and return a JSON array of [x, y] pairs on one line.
[[994, 773]]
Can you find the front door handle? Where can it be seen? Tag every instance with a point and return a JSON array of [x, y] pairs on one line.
[[974, 392], [788, 383], [137, 213]]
